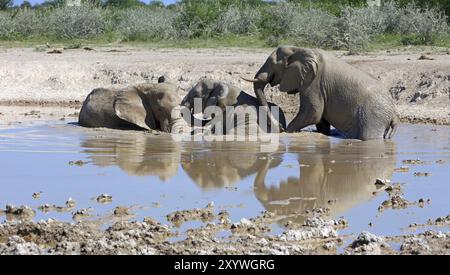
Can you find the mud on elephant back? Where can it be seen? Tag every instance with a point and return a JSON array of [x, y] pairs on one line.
[[332, 93]]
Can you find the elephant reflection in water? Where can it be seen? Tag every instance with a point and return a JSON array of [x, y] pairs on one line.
[[225, 164], [342, 173], [136, 153], [338, 177], [222, 164]]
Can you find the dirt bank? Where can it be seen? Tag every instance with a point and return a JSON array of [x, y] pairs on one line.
[[420, 87], [317, 235]]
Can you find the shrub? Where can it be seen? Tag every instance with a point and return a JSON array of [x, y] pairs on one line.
[[425, 24], [6, 24], [144, 24], [196, 18], [318, 25], [29, 23], [277, 19], [237, 20], [76, 21], [353, 31], [315, 27]]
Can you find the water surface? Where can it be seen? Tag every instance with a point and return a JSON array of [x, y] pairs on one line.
[[158, 175]]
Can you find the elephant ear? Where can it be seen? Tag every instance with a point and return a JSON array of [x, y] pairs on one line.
[[300, 70], [218, 96], [128, 106], [200, 91], [290, 81]]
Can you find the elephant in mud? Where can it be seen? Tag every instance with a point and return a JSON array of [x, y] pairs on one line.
[[332, 92], [245, 111], [338, 177], [143, 106], [136, 153]]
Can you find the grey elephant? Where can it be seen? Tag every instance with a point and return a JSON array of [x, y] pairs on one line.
[[331, 93], [222, 95], [143, 106]]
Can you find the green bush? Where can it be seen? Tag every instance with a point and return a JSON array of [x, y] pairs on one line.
[[235, 20], [317, 28], [76, 22], [277, 20], [29, 23], [146, 24], [353, 28], [6, 25]]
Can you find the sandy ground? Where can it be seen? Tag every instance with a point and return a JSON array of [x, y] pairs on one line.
[[317, 235], [28, 79], [421, 88]]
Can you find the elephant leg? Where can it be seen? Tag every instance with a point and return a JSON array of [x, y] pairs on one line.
[[310, 113], [151, 122], [323, 127], [165, 125], [303, 119]]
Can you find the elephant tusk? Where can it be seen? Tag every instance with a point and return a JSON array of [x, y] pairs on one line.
[[251, 80]]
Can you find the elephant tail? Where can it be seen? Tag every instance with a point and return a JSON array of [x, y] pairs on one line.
[[392, 128]]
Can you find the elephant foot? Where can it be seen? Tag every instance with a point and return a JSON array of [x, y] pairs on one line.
[[324, 127], [292, 130]]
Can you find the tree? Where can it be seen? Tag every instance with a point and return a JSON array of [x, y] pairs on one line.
[[124, 4], [5, 4], [52, 3], [25, 5], [156, 4], [444, 5], [95, 3], [333, 6]]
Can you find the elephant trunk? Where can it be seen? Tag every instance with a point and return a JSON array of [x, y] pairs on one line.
[[258, 87], [265, 78], [262, 78]]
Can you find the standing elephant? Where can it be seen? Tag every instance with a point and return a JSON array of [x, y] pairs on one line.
[[214, 93], [144, 106], [331, 92]]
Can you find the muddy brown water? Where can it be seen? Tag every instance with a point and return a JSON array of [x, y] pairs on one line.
[[158, 175]]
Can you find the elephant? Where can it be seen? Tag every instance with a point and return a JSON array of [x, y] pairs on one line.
[[335, 176], [215, 93], [143, 106], [332, 93]]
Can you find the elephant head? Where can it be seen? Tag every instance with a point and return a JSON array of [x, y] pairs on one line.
[[211, 93], [215, 93], [291, 67], [143, 106], [150, 106]]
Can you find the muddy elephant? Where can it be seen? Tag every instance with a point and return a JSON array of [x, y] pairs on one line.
[[143, 106], [332, 92], [245, 110], [335, 176]]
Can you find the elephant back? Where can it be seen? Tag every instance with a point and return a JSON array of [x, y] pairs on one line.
[[98, 110]]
